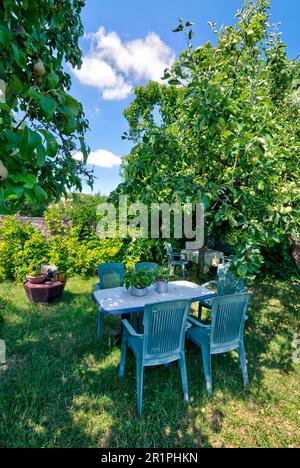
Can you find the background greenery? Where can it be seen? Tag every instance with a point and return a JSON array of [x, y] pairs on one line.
[[73, 244], [225, 131]]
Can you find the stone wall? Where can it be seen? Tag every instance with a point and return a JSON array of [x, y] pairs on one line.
[[38, 223]]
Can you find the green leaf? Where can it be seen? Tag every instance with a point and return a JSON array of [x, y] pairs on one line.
[[13, 138], [53, 79], [72, 104], [261, 185], [174, 81], [28, 180], [191, 35], [12, 191], [5, 107], [52, 145], [48, 106], [242, 270], [40, 193], [29, 194], [41, 156], [19, 56], [70, 126], [33, 93], [4, 36], [179, 29], [17, 84], [29, 142]]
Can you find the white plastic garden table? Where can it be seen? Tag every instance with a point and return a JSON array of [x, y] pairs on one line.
[[119, 301]]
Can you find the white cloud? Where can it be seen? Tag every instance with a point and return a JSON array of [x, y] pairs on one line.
[[114, 67], [100, 158]]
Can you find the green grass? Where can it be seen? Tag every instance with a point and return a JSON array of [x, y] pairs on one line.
[[61, 388]]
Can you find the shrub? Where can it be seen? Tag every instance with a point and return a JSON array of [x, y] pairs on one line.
[[13, 236], [21, 246], [56, 217], [142, 250], [77, 256], [35, 252]]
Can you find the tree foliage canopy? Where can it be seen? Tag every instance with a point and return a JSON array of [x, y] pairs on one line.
[[224, 131], [41, 125]]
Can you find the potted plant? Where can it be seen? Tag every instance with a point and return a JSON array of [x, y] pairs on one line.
[[138, 281], [36, 275], [161, 279]]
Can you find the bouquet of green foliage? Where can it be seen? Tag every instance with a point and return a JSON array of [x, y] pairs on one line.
[[162, 274], [139, 279]]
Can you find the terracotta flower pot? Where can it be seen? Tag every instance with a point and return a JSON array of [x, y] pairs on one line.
[[36, 279]]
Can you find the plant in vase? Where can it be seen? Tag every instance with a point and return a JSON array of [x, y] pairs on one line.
[[139, 281], [161, 279], [36, 275]]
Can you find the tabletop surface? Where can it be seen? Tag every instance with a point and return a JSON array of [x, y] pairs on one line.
[[119, 300]]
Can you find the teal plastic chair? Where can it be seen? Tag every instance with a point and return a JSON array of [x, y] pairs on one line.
[[111, 275], [176, 259], [226, 284], [225, 333], [162, 342], [149, 266]]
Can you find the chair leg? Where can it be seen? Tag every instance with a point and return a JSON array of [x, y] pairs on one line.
[[100, 318], [200, 311], [123, 355], [182, 365], [206, 358], [139, 382], [243, 360], [183, 271]]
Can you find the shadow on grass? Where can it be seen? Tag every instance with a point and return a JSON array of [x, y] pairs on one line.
[[61, 387]]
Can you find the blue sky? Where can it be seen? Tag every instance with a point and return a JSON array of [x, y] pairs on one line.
[[129, 42]]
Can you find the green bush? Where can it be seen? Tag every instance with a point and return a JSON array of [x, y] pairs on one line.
[[56, 217], [141, 250], [21, 247]]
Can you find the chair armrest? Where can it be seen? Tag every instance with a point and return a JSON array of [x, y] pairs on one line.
[[130, 329], [210, 283], [196, 323], [176, 255]]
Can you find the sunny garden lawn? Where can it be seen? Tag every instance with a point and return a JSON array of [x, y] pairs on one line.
[[61, 388]]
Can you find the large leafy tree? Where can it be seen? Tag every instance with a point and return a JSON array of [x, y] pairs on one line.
[[227, 134], [41, 124]]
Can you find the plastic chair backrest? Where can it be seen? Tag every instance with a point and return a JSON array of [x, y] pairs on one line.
[[228, 317], [149, 266], [228, 283], [164, 328], [111, 275]]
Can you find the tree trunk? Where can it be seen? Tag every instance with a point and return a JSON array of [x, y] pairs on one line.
[[296, 251]]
